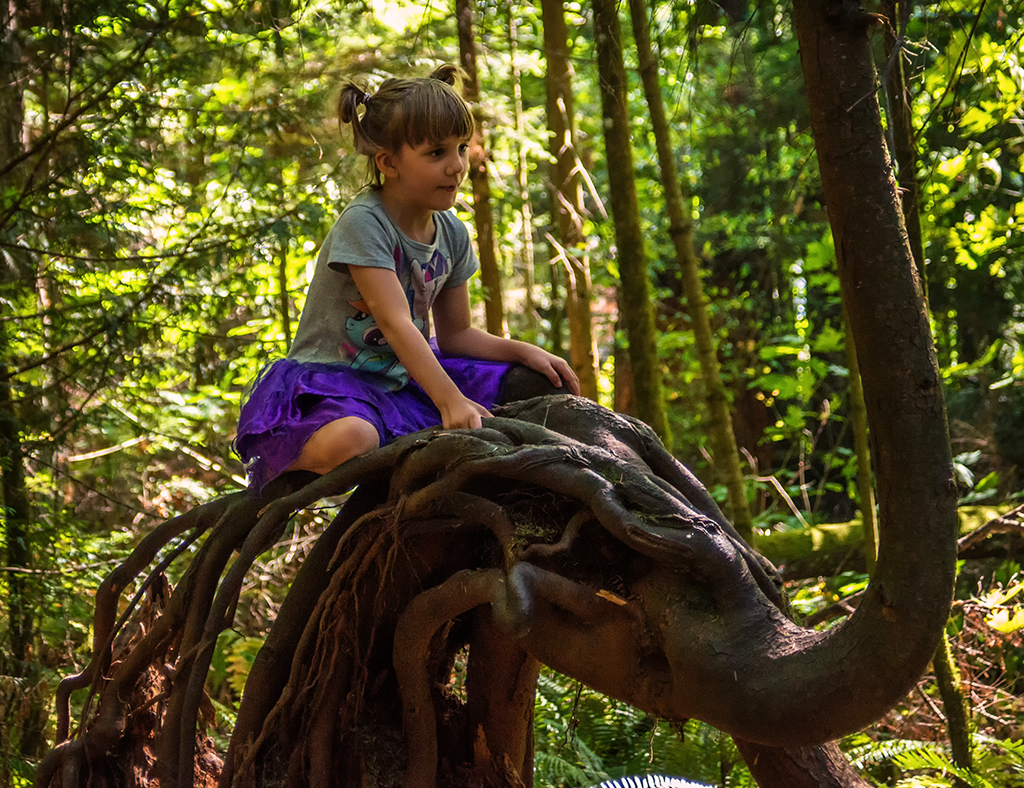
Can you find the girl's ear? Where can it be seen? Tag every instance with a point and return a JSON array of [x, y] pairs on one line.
[[385, 161]]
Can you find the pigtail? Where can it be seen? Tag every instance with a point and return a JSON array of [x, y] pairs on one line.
[[349, 99], [451, 75]]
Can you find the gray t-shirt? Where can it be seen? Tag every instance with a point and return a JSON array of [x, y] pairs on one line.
[[335, 325]]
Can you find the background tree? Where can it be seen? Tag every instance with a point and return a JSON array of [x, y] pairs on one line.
[[568, 249], [681, 230], [530, 332], [635, 296], [490, 274]]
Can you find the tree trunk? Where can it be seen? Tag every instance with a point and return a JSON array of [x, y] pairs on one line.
[[901, 127], [17, 280], [12, 109], [800, 767], [522, 180], [635, 299], [862, 449], [882, 290], [723, 440], [904, 150], [826, 550], [483, 217], [284, 294], [955, 705], [567, 251], [15, 277], [16, 518]]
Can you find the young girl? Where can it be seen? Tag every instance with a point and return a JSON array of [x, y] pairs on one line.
[[363, 369]]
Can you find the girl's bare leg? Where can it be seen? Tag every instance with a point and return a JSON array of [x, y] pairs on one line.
[[335, 442]]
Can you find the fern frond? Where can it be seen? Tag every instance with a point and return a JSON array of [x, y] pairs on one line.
[[924, 781], [552, 769], [936, 760], [651, 781], [1013, 749], [882, 751]]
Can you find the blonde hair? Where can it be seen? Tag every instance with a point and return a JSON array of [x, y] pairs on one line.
[[405, 111]]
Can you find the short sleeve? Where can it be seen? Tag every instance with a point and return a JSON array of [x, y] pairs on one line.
[[463, 256], [360, 238]]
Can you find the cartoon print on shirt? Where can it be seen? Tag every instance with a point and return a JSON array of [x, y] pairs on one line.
[[427, 281], [369, 351]]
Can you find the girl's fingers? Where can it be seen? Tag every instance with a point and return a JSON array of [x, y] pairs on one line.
[[565, 372]]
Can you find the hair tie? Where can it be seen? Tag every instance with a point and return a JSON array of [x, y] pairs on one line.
[[366, 98]]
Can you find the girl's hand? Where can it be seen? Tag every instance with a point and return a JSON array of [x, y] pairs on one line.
[[462, 413], [553, 367]]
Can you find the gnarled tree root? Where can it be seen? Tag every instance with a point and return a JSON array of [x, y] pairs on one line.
[[515, 541]]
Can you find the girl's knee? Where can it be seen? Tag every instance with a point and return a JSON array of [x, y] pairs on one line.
[[336, 442], [364, 436]]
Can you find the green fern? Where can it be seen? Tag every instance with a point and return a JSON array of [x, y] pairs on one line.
[[561, 758], [551, 770], [1013, 751], [883, 751], [579, 729], [936, 760], [997, 763], [923, 781]]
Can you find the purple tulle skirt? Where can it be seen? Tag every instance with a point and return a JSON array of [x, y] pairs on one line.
[[291, 400]]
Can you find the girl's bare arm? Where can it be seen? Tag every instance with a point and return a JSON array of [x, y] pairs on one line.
[[455, 336], [386, 301]]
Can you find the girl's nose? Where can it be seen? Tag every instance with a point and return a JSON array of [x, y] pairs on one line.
[[458, 165]]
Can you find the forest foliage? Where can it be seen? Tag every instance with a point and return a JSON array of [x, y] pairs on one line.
[[173, 167]]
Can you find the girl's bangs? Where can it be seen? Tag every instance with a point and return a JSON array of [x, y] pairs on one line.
[[439, 116]]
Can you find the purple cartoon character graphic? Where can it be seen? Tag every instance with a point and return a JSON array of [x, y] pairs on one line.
[[367, 349], [427, 281]]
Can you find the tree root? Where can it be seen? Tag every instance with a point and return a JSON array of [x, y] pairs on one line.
[[109, 592], [416, 626], [530, 524]]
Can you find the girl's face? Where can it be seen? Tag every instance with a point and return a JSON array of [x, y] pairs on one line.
[[427, 175]]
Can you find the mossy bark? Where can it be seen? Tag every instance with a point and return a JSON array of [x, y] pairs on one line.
[[954, 703], [479, 178], [723, 439], [568, 254], [636, 298]]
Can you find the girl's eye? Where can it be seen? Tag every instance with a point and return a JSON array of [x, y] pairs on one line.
[[463, 147]]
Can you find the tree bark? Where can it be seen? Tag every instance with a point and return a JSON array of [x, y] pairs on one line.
[[483, 217], [522, 180], [723, 439], [567, 252], [955, 705], [903, 396], [862, 449], [635, 297], [800, 767], [901, 128]]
